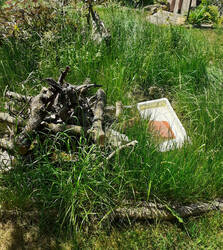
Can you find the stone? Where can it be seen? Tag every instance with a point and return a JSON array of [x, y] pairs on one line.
[[166, 18], [152, 9]]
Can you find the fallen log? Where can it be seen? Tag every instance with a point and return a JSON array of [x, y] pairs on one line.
[[151, 210]]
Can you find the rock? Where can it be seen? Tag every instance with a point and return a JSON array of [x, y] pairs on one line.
[[166, 18], [152, 9]]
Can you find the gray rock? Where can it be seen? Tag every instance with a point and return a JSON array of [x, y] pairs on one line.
[[166, 18]]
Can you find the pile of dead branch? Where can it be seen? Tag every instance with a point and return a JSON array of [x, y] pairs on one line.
[[58, 108]]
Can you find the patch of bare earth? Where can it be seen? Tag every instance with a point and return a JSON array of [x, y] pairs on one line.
[[20, 231]]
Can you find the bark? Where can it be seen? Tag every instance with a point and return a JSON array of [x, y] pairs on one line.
[[6, 144], [150, 210], [73, 129], [5, 117], [115, 138], [130, 144], [17, 97], [99, 31], [119, 109], [39, 105], [96, 130], [6, 161]]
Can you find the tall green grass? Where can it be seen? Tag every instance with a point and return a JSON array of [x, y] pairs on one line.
[[140, 55]]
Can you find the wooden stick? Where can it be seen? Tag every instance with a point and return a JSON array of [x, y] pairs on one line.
[[5, 117], [17, 97], [150, 210], [115, 138], [6, 161], [63, 75], [119, 109], [99, 31], [96, 130], [113, 108], [6, 144], [73, 129], [130, 144]]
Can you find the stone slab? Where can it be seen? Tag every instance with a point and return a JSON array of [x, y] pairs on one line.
[[166, 18]]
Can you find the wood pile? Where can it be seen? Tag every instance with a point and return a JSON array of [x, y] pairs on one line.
[[60, 107]]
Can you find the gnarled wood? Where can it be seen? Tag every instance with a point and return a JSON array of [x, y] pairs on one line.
[[6, 161], [6, 144], [99, 31], [150, 210], [38, 111], [63, 75], [115, 138], [119, 109], [73, 129], [5, 117], [96, 130], [130, 144], [17, 97]]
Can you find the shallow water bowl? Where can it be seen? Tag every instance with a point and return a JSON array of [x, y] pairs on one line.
[[163, 123]]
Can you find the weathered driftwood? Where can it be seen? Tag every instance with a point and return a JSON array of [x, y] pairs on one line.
[[6, 161], [130, 144], [39, 105], [63, 75], [5, 117], [17, 97], [113, 108], [115, 138], [63, 107], [150, 210], [99, 31], [73, 129], [96, 130], [119, 109], [6, 144]]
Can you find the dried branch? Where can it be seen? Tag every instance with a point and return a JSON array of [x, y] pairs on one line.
[[73, 129], [63, 75], [6, 161], [119, 109], [5, 117], [130, 144], [6, 144], [96, 130], [115, 138], [17, 97], [150, 210], [99, 31]]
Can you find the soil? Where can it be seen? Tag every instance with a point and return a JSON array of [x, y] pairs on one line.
[[22, 231]]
